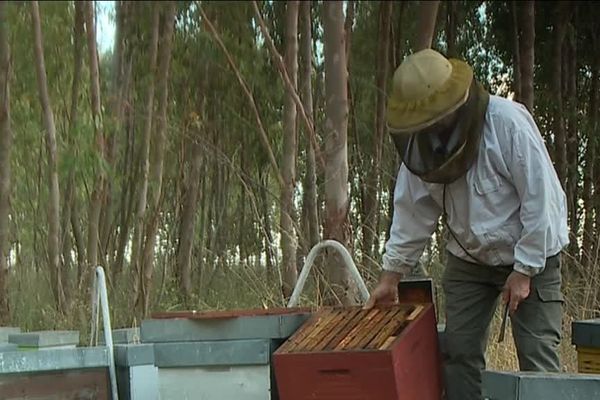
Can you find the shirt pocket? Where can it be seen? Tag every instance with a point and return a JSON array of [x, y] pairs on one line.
[[486, 185]]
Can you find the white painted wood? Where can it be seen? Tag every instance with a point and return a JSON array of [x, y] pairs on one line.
[[249, 382], [143, 382]]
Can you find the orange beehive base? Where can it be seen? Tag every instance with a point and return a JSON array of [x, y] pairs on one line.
[[388, 353]]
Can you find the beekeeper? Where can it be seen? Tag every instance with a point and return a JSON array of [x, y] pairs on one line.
[[480, 160]]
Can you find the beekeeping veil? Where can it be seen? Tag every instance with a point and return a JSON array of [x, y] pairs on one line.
[[435, 116]]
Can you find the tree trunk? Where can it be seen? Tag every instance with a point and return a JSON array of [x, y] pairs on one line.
[[310, 181], [187, 227], [336, 224], [570, 61], [158, 145], [516, 51], [397, 33], [348, 23], [119, 86], [288, 162], [127, 203], [268, 241], [562, 14], [142, 199], [451, 28], [371, 204], [69, 197], [95, 207], [588, 257], [187, 224], [53, 188], [5, 170], [527, 52], [427, 17]]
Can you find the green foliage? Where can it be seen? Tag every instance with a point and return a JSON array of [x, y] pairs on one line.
[[209, 117]]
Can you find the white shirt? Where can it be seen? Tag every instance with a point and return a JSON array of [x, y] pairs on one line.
[[508, 209]]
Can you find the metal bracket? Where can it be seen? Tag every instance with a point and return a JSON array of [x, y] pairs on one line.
[[308, 264]]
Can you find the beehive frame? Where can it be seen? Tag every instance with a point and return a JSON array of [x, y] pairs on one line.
[[344, 329], [385, 353]]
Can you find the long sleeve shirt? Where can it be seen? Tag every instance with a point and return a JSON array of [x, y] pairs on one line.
[[508, 209]]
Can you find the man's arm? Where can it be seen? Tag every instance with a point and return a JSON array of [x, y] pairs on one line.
[[537, 185], [414, 220]]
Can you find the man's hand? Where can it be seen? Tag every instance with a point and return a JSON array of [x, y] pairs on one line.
[[516, 289], [386, 290]]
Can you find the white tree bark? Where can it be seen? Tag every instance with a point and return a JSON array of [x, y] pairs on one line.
[[288, 161], [336, 224]]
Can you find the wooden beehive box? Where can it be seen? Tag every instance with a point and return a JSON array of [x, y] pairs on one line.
[[586, 338], [387, 353], [219, 355]]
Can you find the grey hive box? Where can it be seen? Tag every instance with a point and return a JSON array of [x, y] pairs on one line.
[[44, 340], [5, 331], [586, 333], [216, 370], [586, 338], [221, 355], [80, 373], [539, 386], [137, 375]]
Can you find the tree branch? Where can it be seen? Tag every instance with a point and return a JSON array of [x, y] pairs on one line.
[[263, 134], [289, 86]]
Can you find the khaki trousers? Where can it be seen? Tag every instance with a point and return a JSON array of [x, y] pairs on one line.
[[472, 292]]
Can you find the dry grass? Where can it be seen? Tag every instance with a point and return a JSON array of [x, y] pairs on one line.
[[249, 287]]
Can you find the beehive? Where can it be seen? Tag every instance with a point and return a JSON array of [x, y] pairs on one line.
[[219, 355], [586, 338], [386, 353]]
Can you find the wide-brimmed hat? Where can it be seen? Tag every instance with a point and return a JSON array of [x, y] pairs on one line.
[[426, 88]]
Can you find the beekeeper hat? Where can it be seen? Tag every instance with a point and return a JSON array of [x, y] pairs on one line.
[[426, 88]]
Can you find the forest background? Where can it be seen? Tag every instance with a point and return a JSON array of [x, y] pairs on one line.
[[204, 147]]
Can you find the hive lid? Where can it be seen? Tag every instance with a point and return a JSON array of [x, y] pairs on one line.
[[586, 333], [222, 325], [226, 314], [53, 360], [528, 385], [352, 328], [40, 339]]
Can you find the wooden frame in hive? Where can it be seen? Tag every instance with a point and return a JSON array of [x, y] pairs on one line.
[[386, 353]]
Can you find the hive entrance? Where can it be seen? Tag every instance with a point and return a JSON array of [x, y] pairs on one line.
[[340, 329]]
